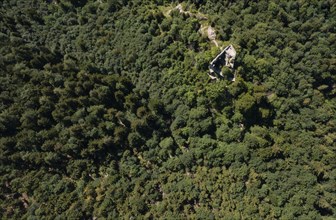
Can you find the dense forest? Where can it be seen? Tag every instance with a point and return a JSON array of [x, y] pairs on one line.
[[107, 111]]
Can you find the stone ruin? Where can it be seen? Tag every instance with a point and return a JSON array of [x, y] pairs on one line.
[[224, 58]]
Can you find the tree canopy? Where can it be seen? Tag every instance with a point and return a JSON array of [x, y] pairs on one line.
[[107, 111]]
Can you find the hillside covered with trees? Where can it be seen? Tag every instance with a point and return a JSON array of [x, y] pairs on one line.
[[107, 111]]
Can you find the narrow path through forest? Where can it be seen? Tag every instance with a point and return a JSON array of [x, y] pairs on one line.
[[206, 29]]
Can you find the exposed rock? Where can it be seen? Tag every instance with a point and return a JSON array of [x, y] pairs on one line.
[[211, 33]]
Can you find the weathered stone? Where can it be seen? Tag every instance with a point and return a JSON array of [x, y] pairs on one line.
[[224, 58]]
